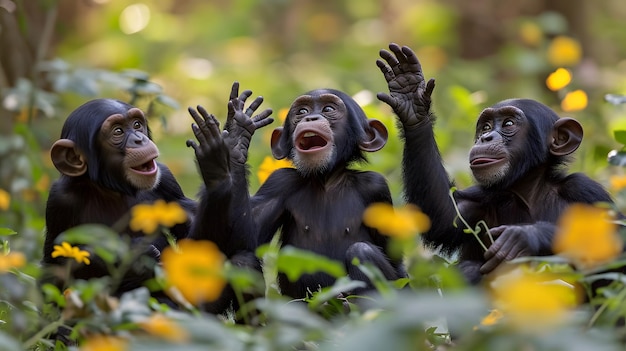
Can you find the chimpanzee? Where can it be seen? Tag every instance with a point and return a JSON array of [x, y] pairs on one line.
[[108, 164], [224, 199], [317, 206], [518, 158]]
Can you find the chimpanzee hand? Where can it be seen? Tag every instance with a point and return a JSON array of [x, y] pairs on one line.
[[409, 95], [512, 241], [240, 125], [212, 152]]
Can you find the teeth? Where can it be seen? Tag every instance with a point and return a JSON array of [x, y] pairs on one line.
[[309, 134]]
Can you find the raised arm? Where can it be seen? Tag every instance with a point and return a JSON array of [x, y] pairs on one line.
[[224, 210], [426, 183]]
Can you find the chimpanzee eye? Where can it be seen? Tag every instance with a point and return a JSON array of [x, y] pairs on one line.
[[118, 131], [508, 123], [486, 127], [328, 109], [137, 125], [303, 111]]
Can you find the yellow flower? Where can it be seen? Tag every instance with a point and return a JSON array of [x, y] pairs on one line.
[[558, 79], [618, 182], [163, 327], [5, 200], [530, 33], [11, 260], [69, 251], [532, 302], [492, 318], [269, 165], [43, 183], [282, 114], [574, 101], [195, 270], [148, 217], [402, 222], [587, 235], [564, 51], [104, 343]]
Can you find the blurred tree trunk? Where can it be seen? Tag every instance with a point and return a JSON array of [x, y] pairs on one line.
[[483, 23], [26, 29]]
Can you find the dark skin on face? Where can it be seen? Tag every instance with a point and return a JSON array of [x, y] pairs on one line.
[[107, 164], [318, 205], [517, 160]]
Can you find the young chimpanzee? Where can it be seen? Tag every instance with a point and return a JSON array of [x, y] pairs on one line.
[[521, 147], [317, 206], [107, 162]]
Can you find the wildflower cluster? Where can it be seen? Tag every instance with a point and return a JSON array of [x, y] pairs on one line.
[[148, 217]]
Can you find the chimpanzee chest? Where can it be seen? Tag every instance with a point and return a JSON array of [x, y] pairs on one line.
[[325, 221]]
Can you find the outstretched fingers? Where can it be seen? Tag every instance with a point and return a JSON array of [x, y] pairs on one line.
[[385, 69], [206, 127], [234, 93], [263, 119], [386, 98], [254, 106]]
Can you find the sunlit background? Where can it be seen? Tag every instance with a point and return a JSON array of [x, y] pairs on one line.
[[567, 54]]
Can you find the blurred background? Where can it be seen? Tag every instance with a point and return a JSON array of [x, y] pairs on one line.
[[166, 55]]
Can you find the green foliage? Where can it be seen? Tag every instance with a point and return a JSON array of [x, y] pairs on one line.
[[194, 50], [295, 262]]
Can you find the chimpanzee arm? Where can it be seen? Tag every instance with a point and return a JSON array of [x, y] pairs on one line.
[[426, 181], [212, 155], [373, 188], [224, 214], [240, 127], [268, 204], [535, 239]]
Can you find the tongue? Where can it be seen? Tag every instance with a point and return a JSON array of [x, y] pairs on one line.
[[146, 167], [312, 142]]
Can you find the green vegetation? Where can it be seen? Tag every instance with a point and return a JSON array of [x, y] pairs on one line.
[[166, 55]]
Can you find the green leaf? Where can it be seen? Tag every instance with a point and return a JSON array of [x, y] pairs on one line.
[[53, 294], [342, 285], [167, 101], [7, 231], [620, 135], [295, 262]]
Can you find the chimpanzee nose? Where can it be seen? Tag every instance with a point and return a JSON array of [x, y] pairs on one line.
[[312, 118]]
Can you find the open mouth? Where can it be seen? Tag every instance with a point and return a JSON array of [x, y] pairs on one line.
[[147, 168], [310, 141]]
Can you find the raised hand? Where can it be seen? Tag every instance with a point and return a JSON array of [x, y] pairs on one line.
[[212, 153], [409, 94], [240, 125]]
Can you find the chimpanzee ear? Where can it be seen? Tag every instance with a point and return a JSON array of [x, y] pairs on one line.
[[375, 136], [67, 159], [567, 135], [279, 149]]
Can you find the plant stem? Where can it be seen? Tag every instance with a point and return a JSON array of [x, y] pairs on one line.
[[467, 226], [43, 332]]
